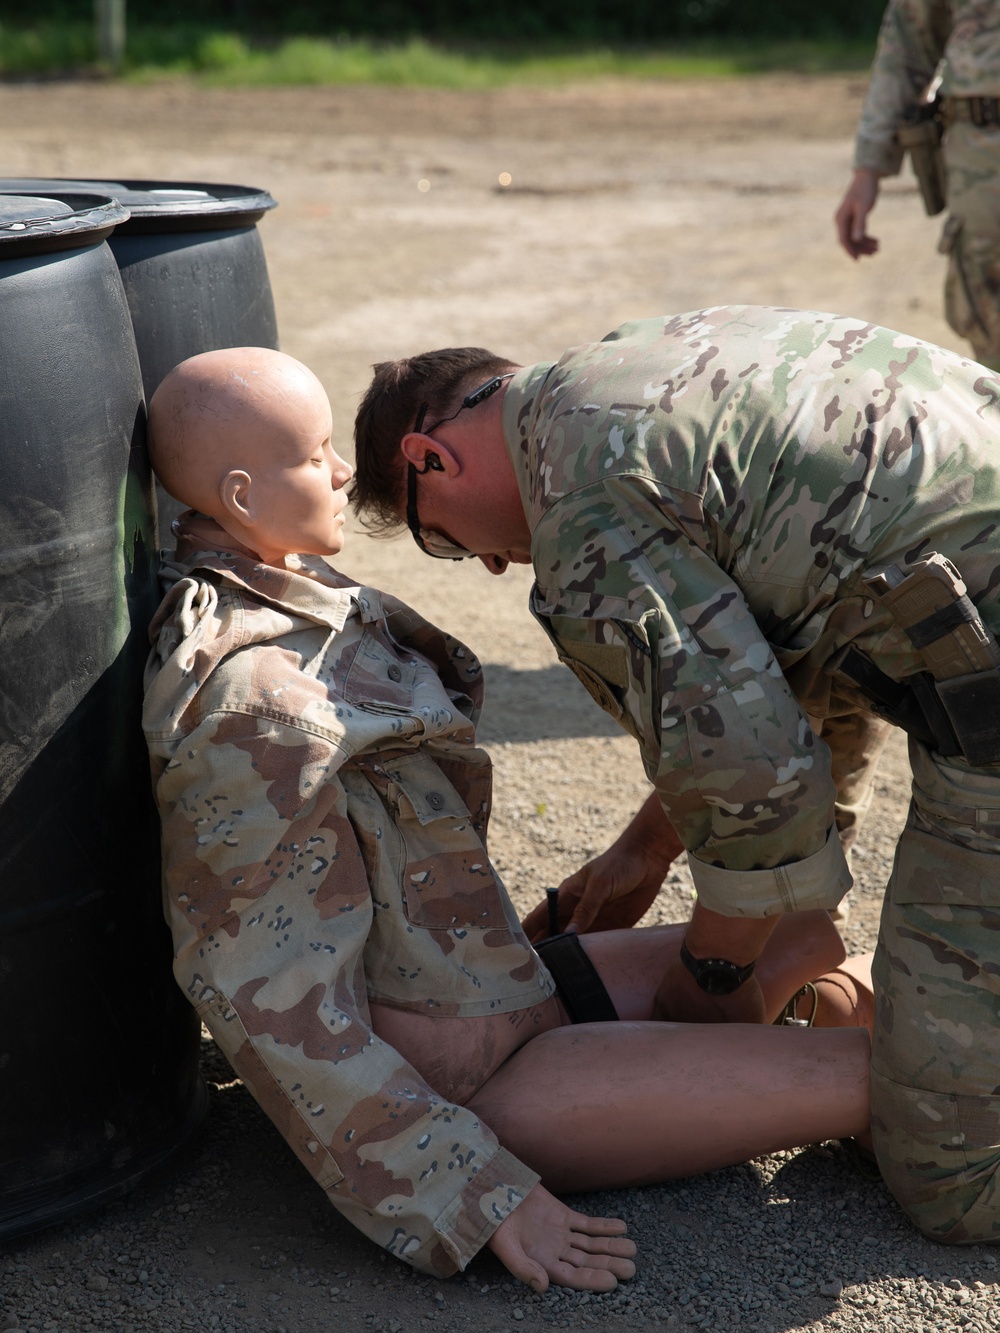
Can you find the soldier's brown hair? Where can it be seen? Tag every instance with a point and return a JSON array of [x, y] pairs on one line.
[[389, 410]]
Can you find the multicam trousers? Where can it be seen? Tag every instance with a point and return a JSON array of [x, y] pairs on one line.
[[971, 237], [856, 742], [936, 1055]]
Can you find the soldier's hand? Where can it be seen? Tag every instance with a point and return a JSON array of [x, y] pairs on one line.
[[617, 888], [611, 892], [852, 215], [543, 1241], [680, 999]]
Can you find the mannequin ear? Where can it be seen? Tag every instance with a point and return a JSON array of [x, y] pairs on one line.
[[235, 494]]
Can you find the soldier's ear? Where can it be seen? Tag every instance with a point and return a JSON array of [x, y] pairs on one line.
[[429, 455], [235, 494]]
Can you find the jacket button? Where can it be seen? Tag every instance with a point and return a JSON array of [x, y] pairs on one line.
[[395, 673], [435, 800]]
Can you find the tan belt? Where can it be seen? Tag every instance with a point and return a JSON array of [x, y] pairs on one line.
[[981, 111]]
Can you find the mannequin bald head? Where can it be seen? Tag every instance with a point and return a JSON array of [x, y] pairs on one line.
[[243, 435]]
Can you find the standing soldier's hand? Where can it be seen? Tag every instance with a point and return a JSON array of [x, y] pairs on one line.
[[852, 215]]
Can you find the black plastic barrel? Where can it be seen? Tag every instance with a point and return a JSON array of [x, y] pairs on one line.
[[98, 1048], [193, 268]]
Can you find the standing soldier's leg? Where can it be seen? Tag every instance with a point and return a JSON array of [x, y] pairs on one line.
[[856, 742], [936, 1048], [971, 238]]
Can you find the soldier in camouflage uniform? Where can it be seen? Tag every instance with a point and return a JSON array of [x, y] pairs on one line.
[[961, 40], [336, 918], [724, 510]]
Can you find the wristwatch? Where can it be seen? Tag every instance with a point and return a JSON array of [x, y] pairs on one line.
[[716, 976]]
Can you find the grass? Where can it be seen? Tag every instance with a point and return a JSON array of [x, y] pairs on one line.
[[228, 58]]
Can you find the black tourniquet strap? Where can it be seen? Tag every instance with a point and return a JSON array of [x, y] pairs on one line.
[[580, 988]]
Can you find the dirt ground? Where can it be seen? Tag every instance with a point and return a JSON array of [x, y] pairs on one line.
[[393, 235]]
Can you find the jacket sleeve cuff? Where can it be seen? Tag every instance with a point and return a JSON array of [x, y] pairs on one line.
[[820, 880], [885, 157], [472, 1217]]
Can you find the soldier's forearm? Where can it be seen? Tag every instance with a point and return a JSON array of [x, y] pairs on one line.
[[651, 828], [737, 939]]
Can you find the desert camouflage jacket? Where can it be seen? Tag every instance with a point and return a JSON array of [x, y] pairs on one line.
[[916, 36], [706, 492], [324, 813]]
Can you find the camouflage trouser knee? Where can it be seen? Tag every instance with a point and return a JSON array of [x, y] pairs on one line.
[[971, 237], [936, 1050], [856, 742]]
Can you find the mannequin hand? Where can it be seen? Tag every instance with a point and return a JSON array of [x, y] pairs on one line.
[[543, 1241]]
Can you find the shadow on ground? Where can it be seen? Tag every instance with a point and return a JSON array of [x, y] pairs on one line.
[[547, 703]]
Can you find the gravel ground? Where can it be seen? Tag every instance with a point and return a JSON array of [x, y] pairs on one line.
[[628, 201]]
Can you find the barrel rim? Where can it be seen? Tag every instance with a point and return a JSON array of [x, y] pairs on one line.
[[227, 205], [93, 219]]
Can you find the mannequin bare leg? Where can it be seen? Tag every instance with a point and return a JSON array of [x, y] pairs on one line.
[[605, 1105]]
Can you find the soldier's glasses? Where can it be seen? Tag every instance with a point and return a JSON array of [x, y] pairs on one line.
[[435, 543]]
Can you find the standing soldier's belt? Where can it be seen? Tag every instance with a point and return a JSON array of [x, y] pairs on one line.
[[982, 111]]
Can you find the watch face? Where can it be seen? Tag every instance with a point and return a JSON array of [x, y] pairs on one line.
[[719, 978], [715, 976]]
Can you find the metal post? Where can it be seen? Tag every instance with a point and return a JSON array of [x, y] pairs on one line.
[[109, 21]]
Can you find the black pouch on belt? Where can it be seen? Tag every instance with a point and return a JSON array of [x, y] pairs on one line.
[[958, 696], [973, 707]]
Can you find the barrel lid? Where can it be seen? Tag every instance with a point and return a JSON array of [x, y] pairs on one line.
[[62, 220], [159, 205]]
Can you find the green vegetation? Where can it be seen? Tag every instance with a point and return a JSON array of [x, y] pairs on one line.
[[443, 43], [45, 48], [222, 56]]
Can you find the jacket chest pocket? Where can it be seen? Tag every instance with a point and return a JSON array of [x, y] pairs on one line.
[[380, 678], [447, 881]]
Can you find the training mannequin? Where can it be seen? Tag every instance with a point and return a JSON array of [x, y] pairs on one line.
[[337, 921]]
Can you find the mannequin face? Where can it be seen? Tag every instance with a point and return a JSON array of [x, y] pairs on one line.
[[242, 434], [295, 498]]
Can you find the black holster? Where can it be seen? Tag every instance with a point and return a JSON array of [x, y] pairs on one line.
[[950, 708]]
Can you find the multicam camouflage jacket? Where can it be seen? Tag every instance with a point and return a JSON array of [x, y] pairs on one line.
[[706, 493], [324, 813], [963, 36]]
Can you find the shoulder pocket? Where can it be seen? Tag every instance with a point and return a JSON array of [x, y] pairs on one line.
[[619, 673], [600, 683]]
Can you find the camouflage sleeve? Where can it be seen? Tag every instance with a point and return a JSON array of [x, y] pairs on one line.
[[664, 640], [910, 45], [270, 906]]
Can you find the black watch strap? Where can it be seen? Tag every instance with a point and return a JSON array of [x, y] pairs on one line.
[[716, 976]]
